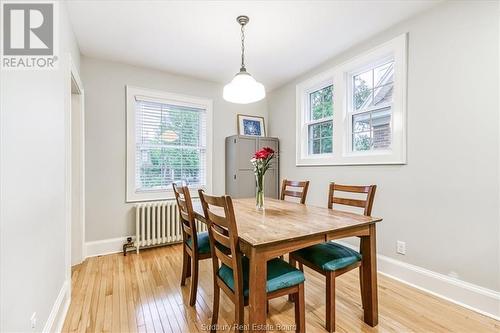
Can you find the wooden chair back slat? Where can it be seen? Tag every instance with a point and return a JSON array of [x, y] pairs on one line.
[[221, 238], [180, 201], [295, 194], [352, 188], [224, 241], [350, 202], [185, 216], [217, 219], [183, 207], [187, 229], [304, 185], [215, 201], [295, 183], [223, 257], [367, 204]]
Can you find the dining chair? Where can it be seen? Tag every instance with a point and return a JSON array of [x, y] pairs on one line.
[[331, 259], [302, 194], [195, 246], [231, 267]]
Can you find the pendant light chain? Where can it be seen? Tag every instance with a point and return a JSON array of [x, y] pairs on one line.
[[242, 47], [243, 88]]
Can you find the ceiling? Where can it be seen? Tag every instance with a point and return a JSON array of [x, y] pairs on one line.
[[202, 39]]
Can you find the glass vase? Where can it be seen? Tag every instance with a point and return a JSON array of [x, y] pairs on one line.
[[259, 192]]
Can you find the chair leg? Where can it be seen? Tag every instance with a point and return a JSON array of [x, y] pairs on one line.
[[361, 288], [194, 281], [215, 309], [267, 306], [300, 310], [292, 263], [330, 302], [239, 314], [185, 267], [301, 267]]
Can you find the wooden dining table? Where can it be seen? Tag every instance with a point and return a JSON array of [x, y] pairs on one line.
[[283, 227]]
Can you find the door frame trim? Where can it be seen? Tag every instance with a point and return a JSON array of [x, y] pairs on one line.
[[72, 75]]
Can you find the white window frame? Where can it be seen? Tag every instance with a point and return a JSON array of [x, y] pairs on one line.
[[307, 121], [350, 112], [341, 78], [303, 111], [168, 98]]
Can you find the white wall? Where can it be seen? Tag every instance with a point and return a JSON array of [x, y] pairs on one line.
[[107, 214], [33, 268], [444, 202]]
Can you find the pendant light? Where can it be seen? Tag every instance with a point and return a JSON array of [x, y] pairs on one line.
[[243, 89]]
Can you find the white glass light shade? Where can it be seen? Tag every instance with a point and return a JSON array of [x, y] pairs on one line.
[[243, 89]]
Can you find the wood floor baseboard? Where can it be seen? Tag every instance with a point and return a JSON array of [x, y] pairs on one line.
[[59, 310], [468, 295], [105, 246]]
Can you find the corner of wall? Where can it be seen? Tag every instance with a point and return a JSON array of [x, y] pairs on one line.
[[68, 38]]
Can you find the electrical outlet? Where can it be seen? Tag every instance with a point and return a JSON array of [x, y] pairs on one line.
[[401, 247], [33, 320]]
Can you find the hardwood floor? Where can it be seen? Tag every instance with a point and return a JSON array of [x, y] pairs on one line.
[[142, 293]]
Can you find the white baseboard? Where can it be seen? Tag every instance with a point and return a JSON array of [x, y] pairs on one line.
[[59, 310], [468, 295], [105, 246]]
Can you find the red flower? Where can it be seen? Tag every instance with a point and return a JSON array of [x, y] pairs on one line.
[[261, 154], [264, 153], [269, 150]]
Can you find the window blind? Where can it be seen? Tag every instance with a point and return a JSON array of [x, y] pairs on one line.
[[170, 145]]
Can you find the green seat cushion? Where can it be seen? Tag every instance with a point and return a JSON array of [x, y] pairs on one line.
[[279, 275], [203, 242], [329, 256]]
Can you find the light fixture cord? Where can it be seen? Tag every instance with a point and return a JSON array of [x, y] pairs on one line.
[[242, 47]]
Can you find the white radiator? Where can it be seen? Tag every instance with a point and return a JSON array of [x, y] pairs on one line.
[[158, 223]]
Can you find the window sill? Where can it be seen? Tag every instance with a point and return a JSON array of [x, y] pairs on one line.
[[150, 196], [321, 164], [352, 159], [165, 195]]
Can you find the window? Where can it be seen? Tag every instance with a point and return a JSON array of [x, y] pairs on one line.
[[320, 121], [355, 113], [371, 108], [167, 142]]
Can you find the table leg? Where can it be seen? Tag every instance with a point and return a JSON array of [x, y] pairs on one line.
[[369, 275], [258, 297]]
